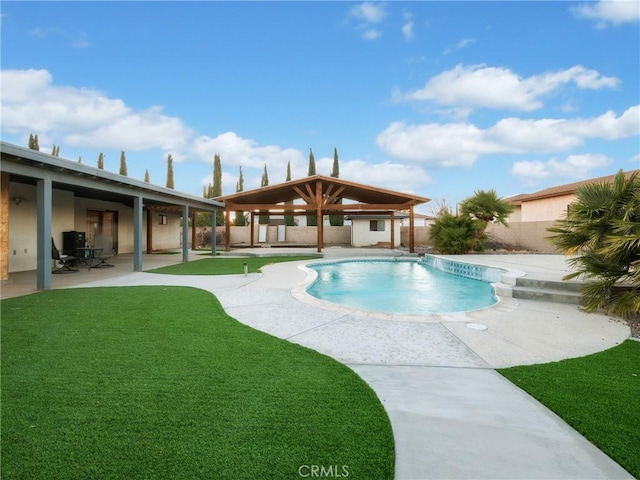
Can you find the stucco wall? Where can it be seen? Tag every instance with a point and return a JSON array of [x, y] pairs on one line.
[[546, 209], [293, 235], [524, 235], [23, 226], [421, 236], [361, 236]]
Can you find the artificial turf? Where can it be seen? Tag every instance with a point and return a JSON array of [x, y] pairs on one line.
[[598, 395], [159, 383], [224, 266]]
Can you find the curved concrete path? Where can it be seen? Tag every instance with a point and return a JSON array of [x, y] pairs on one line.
[[453, 416]]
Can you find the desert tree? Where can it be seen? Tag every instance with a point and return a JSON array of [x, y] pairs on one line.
[[170, 180], [601, 234], [289, 220], [336, 220], [312, 220], [123, 164]]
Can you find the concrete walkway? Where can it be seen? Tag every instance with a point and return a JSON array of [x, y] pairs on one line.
[[452, 415]]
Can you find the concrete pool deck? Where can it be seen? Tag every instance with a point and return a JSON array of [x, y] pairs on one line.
[[453, 415]]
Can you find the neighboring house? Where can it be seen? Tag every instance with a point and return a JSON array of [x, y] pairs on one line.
[[551, 203], [419, 220], [375, 230], [535, 212]]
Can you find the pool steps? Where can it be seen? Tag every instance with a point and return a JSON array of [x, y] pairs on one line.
[[512, 283]]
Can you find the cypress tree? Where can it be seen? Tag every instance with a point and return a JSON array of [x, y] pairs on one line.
[[31, 142], [80, 159], [216, 189], [146, 175], [312, 220], [336, 220], [264, 217], [170, 181], [289, 221], [241, 221], [36, 143], [123, 164], [101, 161]]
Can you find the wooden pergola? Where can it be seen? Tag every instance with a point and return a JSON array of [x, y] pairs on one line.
[[319, 195]]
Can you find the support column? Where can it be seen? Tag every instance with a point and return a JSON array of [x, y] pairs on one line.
[[252, 217], [319, 221], [193, 231], [214, 232], [393, 230], [137, 233], [44, 193], [149, 231], [227, 229], [185, 233], [411, 231]]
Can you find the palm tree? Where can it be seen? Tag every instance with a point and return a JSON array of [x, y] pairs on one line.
[[486, 207], [455, 234], [602, 232]]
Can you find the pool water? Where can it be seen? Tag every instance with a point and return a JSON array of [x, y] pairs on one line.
[[398, 287]]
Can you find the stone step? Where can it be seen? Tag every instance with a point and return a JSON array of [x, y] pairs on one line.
[[547, 295], [535, 283]]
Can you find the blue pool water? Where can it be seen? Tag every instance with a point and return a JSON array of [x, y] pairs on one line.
[[398, 287]]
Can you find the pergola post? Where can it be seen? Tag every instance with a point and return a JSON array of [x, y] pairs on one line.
[[227, 229], [393, 229], [252, 228], [411, 231], [319, 221]]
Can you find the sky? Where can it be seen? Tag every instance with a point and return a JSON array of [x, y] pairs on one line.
[[437, 99]]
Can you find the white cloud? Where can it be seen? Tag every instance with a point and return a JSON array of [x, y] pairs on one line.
[[610, 11], [573, 166], [407, 26], [460, 144], [458, 46], [81, 117], [369, 12], [500, 88], [238, 151], [371, 34], [388, 175], [78, 40]]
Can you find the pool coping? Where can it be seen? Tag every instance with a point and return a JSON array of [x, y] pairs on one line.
[[505, 303]]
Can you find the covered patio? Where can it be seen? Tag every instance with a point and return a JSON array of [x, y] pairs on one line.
[[319, 195]]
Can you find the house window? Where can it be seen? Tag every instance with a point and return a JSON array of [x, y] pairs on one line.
[[163, 219], [376, 225]]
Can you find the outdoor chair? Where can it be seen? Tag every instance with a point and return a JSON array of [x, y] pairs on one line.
[[107, 252], [68, 263]]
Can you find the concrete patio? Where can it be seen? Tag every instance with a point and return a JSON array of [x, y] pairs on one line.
[[452, 414]]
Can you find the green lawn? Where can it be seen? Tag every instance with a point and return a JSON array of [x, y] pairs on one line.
[[224, 266], [159, 383], [598, 395]]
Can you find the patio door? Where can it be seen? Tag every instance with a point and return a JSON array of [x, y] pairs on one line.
[[102, 223]]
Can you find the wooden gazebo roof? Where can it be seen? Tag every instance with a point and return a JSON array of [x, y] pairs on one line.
[[319, 195]]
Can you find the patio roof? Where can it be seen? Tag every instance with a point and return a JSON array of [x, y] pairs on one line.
[[320, 190], [319, 195]]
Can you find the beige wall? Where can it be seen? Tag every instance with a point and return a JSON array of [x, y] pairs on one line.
[[544, 209], [362, 237], [523, 235], [293, 235], [420, 239]]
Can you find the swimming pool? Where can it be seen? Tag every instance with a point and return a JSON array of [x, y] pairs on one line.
[[398, 286]]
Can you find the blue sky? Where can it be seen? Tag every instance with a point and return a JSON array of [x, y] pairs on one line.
[[438, 99]]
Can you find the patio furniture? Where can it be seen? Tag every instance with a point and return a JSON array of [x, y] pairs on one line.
[[104, 251], [68, 262]]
